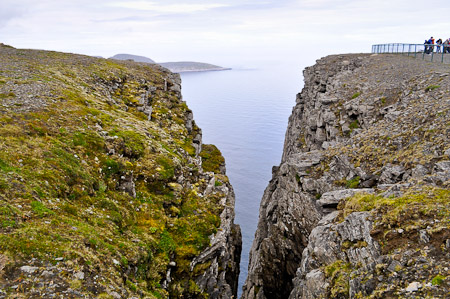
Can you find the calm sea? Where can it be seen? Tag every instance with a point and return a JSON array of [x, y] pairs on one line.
[[244, 112]]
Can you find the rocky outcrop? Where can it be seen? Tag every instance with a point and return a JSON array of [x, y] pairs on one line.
[[106, 189], [361, 200]]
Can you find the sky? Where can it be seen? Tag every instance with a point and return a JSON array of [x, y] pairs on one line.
[[224, 32]]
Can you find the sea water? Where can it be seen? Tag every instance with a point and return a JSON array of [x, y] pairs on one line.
[[244, 112]]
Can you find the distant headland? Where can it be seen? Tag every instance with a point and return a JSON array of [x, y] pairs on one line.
[[175, 67]]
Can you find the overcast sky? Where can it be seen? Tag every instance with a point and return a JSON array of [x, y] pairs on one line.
[[225, 32]]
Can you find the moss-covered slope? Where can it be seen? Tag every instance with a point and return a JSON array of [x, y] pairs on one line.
[[102, 190]]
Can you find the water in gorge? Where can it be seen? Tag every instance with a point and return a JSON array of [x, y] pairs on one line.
[[244, 112]]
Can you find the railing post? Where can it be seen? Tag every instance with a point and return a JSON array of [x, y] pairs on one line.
[[415, 51]]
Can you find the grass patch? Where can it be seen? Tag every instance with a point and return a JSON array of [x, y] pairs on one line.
[[355, 95], [353, 183], [7, 95], [339, 274], [438, 280], [39, 208], [431, 87], [430, 201]]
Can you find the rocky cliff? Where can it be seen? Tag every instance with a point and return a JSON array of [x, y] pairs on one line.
[[106, 190], [360, 204]]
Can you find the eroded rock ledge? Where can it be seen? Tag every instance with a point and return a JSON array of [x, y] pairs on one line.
[[360, 204]]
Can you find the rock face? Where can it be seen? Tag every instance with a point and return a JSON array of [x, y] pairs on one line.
[[360, 202], [106, 189]]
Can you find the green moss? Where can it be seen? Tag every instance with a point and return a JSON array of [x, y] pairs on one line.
[[339, 274], [188, 147], [6, 167], [167, 169], [355, 95], [7, 95], [166, 243], [349, 244], [89, 140], [212, 158], [438, 280], [39, 208], [353, 183], [430, 201], [132, 144], [431, 87], [131, 286], [354, 125]]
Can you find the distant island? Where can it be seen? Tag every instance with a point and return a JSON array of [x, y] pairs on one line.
[[132, 57], [175, 67], [191, 66]]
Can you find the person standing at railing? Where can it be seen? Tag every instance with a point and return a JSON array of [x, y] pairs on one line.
[[429, 49], [425, 50], [438, 45], [446, 46]]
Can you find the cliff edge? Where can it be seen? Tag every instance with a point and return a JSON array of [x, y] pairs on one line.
[[106, 190], [360, 204]]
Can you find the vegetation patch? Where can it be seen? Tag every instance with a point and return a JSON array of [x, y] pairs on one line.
[[431, 87], [353, 183], [63, 168], [212, 158], [355, 95], [438, 280], [339, 275]]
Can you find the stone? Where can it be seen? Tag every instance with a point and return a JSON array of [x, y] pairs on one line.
[[127, 185], [79, 275], [328, 100], [115, 295], [423, 236], [443, 166], [413, 287], [391, 174], [29, 269], [419, 171], [447, 153]]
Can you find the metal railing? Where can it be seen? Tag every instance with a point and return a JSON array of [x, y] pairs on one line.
[[439, 53]]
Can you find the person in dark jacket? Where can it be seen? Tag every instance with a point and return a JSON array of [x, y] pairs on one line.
[[438, 45]]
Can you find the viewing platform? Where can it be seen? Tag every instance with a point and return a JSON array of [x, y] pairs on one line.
[[432, 53]]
